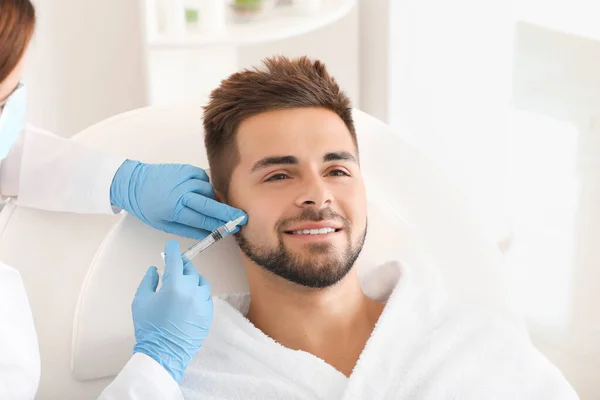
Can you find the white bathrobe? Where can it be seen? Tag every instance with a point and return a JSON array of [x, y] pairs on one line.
[[422, 347]]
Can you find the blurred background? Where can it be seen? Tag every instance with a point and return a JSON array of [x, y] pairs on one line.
[[504, 97]]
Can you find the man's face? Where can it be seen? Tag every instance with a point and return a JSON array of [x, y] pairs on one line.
[[299, 181]]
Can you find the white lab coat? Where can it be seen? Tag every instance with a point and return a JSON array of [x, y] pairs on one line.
[[47, 172]]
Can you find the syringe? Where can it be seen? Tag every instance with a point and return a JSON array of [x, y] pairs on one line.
[[208, 241]]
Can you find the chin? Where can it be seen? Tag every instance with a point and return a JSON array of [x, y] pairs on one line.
[[310, 263], [317, 249]]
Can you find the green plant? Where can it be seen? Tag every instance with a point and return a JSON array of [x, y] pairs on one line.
[[248, 4]]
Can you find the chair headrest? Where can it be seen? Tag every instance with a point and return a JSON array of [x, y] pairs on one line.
[[415, 216]]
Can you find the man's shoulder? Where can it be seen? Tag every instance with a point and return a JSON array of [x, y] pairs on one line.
[[490, 346], [425, 294]]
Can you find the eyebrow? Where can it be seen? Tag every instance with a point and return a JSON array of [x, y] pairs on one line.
[[274, 160], [291, 160], [339, 156]]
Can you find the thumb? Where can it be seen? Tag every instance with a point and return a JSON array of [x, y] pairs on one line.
[[149, 283]]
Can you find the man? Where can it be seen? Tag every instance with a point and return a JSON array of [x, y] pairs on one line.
[[282, 146]]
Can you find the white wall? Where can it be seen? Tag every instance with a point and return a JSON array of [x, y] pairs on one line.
[[85, 63], [431, 69], [447, 79], [554, 192], [374, 57], [339, 51], [450, 81], [188, 75]]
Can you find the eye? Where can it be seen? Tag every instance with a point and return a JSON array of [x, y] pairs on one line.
[[277, 177], [338, 172]]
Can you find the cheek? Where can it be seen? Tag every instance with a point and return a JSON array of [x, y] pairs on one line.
[[262, 212], [260, 220], [258, 208], [355, 205]]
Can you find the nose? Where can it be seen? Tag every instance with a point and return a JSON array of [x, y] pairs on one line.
[[314, 193]]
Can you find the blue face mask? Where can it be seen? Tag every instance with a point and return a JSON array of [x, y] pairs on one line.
[[12, 119]]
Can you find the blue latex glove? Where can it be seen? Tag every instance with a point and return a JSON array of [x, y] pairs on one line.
[[171, 324], [174, 198]]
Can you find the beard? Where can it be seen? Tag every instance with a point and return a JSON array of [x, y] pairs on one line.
[[321, 266]]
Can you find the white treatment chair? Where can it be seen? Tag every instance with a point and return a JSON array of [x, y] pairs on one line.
[[81, 271]]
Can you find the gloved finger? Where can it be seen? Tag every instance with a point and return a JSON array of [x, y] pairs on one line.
[[213, 208], [173, 261], [195, 172], [184, 230], [188, 268], [149, 282], [203, 282], [200, 187], [205, 288], [195, 219]]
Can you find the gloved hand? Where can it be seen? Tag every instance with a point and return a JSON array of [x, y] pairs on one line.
[[171, 324], [174, 198]]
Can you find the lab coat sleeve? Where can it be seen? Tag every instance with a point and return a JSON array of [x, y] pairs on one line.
[[142, 378], [45, 171], [19, 351]]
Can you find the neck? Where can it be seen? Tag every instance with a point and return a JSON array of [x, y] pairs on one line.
[[332, 323]]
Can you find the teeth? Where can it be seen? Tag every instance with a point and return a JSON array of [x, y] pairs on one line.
[[321, 231]]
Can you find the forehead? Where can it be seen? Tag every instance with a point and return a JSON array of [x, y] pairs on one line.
[[306, 133]]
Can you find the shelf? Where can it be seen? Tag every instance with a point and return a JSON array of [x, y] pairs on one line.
[[282, 23]]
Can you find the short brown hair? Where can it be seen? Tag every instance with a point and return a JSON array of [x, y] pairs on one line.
[[283, 83], [17, 22]]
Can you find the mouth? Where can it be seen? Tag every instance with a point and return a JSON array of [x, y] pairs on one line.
[[313, 232]]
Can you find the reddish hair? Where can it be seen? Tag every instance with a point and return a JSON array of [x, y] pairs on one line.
[[17, 22]]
